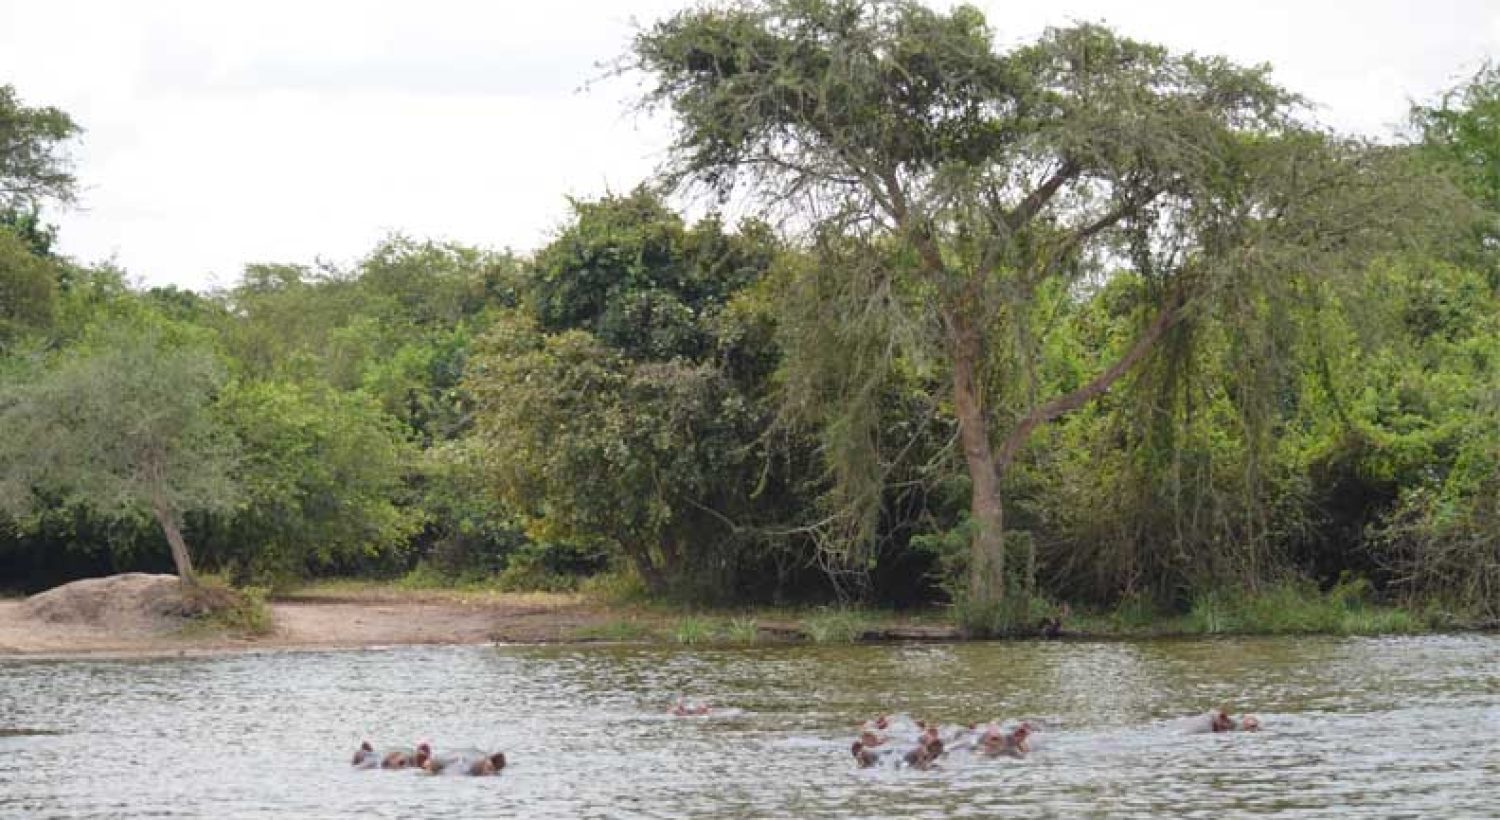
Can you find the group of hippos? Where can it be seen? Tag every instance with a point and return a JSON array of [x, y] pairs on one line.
[[873, 746], [471, 762], [464, 761], [933, 741]]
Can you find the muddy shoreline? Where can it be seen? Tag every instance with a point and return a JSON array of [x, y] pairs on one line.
[[314, 624]]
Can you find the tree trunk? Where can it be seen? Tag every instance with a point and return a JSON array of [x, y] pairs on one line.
[[671, 556], [986, 514], [168, 521], [656, 584]]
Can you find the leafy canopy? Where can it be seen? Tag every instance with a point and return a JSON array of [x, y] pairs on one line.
[[123, 424]]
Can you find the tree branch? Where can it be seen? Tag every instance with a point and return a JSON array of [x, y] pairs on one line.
[[1038, 199], [1169, 316]]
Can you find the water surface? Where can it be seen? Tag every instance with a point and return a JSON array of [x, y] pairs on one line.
[[1387, 727]]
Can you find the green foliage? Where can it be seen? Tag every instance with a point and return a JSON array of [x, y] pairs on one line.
[[1296, 608], [1462, 131], [220, 607], [28, 287], [1136, 612], [322, 478], [1196, 347], [940, 174], [436, 284], [33, 165], [468, 530], [535, 567], [38, 236], [593, 437], [1017, 614], [632, 274], [124, 424]]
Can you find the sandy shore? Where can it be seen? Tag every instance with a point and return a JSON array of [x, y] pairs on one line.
[[326, 622]]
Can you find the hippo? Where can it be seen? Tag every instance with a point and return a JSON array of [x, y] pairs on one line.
[[686, 708], [928, 750], [864, 757], [1220, 720], [995, 743], [366, 757], [466, 762]]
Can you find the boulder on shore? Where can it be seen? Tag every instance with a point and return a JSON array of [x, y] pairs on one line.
[[131, 601]]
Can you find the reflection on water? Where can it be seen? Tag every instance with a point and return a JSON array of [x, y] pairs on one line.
[[1354, 727]]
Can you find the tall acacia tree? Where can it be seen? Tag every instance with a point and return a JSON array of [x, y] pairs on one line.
[[991, 173]]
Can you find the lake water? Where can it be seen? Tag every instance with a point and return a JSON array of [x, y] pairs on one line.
[[1383, 727]]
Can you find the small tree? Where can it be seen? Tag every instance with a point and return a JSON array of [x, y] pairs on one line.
[[124, 425]]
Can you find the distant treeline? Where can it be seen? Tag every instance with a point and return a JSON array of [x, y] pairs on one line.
[[1190, 342]]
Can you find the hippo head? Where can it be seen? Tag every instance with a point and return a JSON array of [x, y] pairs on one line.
[[363, 753]]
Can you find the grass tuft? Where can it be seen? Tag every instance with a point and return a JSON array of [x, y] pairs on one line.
[[836, 626], [742, 630], [692, 630]]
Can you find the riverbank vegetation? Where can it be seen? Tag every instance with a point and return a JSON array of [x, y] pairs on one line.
[[1083, 329]]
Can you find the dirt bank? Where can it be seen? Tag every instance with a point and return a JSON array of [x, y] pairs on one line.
[[106, 622]]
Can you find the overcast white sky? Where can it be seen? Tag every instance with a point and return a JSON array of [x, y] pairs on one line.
[[221, 133]]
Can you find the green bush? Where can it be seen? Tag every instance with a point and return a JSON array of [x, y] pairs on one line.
[[1297, 607], [215, 606], [1017, 614]]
